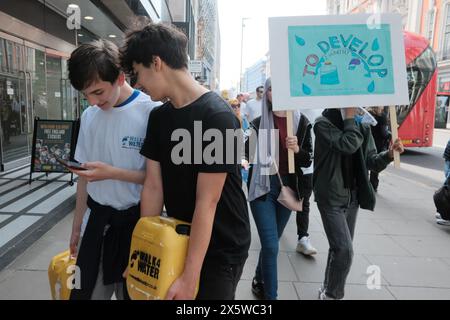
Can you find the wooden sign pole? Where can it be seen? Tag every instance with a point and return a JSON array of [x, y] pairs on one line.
[[290, 132], [394, 132]]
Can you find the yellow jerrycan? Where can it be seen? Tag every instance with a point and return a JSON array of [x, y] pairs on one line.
[[61, 268], [158, 250]]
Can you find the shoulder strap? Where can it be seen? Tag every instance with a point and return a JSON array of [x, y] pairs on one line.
[[278, 173]]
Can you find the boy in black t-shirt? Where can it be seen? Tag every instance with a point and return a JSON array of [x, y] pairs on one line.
[[189, 167]]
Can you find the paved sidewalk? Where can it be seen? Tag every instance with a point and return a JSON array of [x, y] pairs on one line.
[[28, 211], [400, 237]]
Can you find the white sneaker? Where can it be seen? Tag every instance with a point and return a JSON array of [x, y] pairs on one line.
[[443, 222], [321, 290], [438, 215], [304, 246], [323, 296]]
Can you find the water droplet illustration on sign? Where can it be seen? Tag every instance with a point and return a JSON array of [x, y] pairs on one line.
[[300, 41], [371, 87], [375, 45], [306, 89]]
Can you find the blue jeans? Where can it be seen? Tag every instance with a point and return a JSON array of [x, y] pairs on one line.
[[270, 217], [244, 174]]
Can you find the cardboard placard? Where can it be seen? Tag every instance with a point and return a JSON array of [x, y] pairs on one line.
[[337, 61]]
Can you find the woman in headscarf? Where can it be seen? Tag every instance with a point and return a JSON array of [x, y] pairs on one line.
[[271, 216]]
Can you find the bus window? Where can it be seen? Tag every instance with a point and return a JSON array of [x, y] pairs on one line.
[[419, 73]]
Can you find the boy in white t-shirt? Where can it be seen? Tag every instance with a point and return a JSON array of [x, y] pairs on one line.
[[112, 132]]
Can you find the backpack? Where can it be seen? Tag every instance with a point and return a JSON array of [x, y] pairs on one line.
[[442, 200]]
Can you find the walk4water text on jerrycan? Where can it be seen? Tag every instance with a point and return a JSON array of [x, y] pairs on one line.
[[61, 275], [157, 254]]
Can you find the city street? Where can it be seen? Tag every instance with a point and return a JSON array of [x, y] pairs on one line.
[[106, 89], [400, 239]]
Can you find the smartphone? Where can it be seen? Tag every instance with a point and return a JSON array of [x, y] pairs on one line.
[[70, 164]]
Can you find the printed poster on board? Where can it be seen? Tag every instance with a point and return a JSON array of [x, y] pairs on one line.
[[52, 139]]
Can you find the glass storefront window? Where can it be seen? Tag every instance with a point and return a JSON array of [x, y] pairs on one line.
[[14, 142], [84, 104], [69, 94], [54, 76], [14, 104], [29, 59], [3, 65], [444, 84], [13, 57], [64, 69], [18, 57], [32, 83], [53, 96], [39, 85], [9, 55], [440, 120]]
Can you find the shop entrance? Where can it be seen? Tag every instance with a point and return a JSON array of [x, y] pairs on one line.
[[33, 83]]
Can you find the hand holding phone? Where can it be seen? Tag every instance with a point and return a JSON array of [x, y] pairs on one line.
[[71, 164], [91, 171]]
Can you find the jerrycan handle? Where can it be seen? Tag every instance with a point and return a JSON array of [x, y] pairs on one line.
[[183, 229], [168, 221]]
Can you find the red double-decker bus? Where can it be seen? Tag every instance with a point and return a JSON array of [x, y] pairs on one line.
[[416, 120]]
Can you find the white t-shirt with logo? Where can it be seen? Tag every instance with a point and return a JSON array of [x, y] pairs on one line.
[[115, 137]]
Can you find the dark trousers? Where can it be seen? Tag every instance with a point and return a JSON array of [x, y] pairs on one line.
[[219, 281], [339, 224], [302, 217]]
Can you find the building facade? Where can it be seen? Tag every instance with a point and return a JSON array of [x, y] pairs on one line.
[[184, 17], [435, 25], [36, 39], [255, 76], [431, 18], [402, 7], [208, 42]]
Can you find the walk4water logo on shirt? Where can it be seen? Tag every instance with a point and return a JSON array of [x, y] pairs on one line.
[[129, 142]]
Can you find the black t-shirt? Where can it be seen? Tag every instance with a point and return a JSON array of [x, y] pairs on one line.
[[230, 239]]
